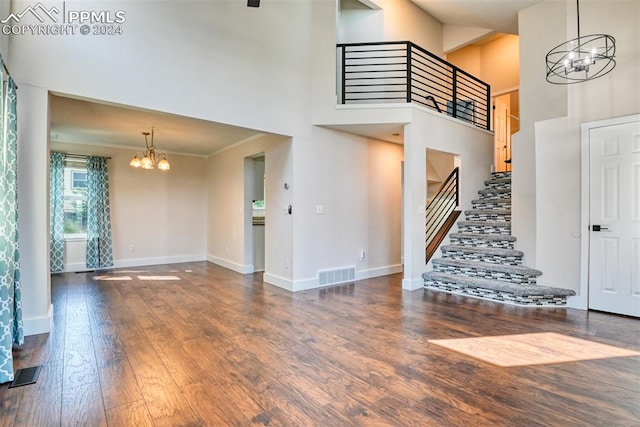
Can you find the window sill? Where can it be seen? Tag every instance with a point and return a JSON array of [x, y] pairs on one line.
[[80, 237]]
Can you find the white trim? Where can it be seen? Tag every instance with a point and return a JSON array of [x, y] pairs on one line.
[[505, 91], [370, 4], [278, 281], [75, 237], [581, 301], [176, 259], [412, 284], [238, 268], [239, 143], [73, 267], [312, 283], [377, 272], [38, 325], [307, 284], [136, 262]]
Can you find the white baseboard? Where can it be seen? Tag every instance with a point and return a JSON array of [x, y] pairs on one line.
[[578, 302], [73, 267], [238, 268], [412, 284], [377, 272], [278, 281], [313, 283], [38, 325], [306, 284], [136, 262]]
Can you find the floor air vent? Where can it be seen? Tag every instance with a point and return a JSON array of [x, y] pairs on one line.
[[337, 276], [26, 376]]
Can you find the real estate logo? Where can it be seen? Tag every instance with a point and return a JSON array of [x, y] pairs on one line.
[[39, 20]]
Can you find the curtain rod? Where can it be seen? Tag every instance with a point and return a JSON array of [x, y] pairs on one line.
[[80, 156]]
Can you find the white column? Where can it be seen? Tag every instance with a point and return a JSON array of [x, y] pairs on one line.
[[33, 208]]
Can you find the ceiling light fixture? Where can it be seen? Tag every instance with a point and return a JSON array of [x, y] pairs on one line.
[[581, 59], [149, 159]]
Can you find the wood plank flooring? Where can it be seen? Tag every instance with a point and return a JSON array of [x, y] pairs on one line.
[[217, 348]]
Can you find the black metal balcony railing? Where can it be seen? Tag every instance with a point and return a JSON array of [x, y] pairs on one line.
[[404, 72]]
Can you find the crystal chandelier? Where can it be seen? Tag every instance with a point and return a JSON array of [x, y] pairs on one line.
[[581, 59], [149, 159]]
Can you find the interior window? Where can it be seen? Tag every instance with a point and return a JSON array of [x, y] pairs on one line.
[[75, 201]]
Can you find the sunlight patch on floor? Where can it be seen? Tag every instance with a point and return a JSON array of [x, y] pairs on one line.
[[109, 278], [532, 349], [159, 278]]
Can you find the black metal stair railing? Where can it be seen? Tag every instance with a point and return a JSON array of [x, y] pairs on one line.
[[402, 72], [441, 213]]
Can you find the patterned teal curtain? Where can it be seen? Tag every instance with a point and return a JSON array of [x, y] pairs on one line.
[[99, 249], [10, 298], [56, 211]]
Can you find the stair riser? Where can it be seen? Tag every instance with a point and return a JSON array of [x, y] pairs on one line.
[[494, 195], [498, 186], [479, 216], [481, 243], [529, 300], [484, 229], [500, 175], [493, 259], [486, 274], [490, 204]]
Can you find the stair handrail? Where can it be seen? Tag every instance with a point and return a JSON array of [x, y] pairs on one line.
[[441, 212]]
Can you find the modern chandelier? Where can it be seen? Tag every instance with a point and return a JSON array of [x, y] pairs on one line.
[[581, 59], [149, 159]]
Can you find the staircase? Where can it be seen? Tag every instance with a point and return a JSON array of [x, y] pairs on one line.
[[481, 260]]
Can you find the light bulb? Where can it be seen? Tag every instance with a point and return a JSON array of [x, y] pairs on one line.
[[135, 162], [164, 165], [146, 163]]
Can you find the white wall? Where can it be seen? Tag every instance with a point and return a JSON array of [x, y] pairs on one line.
[[396, 20], [539, 100], [431, 131], [496, 62], [229, 216], [162, 214], [553, 144], [357, 181], [5, 9]]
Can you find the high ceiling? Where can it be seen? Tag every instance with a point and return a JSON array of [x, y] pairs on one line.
[[87, 122], [498, 15]]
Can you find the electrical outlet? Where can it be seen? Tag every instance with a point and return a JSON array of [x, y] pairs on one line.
[[286, 263], [132, 248], [363, 254]]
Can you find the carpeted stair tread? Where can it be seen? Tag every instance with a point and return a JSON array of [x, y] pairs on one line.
[[498, 180], [487, 223], [483, 250], [494, 190], [478, 265], [515, 289], [487, 237], [491, 200], [488, 211]]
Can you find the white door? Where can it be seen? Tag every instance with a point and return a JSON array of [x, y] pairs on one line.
[[614, 216], [502, 133]]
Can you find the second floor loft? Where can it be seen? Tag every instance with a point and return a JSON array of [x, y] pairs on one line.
[[403, 72]]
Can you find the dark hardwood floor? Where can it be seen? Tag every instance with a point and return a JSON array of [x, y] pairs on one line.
[[216, 348]]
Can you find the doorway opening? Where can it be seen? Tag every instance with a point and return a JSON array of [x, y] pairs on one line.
[[254, 190], [506, 122]]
